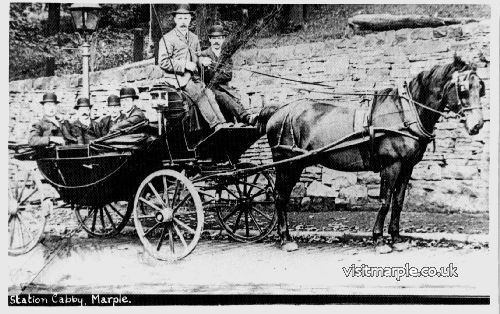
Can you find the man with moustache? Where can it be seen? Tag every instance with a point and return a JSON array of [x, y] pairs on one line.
[[132, 114], [230, 105], [49, 130], [84, 128], [178, 57], [115, 115]]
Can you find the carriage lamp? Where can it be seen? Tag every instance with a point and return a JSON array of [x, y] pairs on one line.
[[85, 19]]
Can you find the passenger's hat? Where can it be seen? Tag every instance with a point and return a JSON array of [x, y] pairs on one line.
[[216, 30], [113, 100], [127, 92], [182, 8], [49, 97], [82, 102]]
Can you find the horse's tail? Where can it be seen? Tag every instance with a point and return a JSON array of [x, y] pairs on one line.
[[264, 115]]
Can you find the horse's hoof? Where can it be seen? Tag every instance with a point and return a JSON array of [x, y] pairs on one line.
[[400, 246], [289, 246], [383, 249]]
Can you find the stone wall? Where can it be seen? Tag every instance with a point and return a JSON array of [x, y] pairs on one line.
[[453, 177]]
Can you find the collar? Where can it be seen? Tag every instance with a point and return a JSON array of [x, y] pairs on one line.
[[52, 120], [215, 53], [182, 36]]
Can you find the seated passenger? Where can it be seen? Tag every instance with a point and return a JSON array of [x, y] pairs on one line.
[[114, 116], [224, 94], [132, 114], [84, 128], [49, 130]]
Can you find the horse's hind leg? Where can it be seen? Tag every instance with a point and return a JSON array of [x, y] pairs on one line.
[[398, 243], [389, 175], [286, 178]]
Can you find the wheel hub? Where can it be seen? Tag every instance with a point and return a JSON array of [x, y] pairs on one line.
[[165, 215]]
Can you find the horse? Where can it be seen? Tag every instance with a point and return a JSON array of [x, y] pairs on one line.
[[305, 126]]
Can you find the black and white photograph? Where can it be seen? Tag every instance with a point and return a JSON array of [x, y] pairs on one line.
[[252, 154]]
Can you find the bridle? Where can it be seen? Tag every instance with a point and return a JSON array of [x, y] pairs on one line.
[[461, 81]]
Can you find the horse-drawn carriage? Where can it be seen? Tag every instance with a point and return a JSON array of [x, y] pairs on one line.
[[154, 171], [165, 178]]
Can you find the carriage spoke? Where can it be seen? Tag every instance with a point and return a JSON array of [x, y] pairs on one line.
[[237, 221], [149, 203], [156, 194], [254, 221], [230, 192], [13, 230], [183, 225], [27, 229], [267, 217], [27, 197], [162, 237], [175, 192], [24, 186], [181, 202], [165, 189], [21, 231], [146, 216], [230, 214], [237, 185], [171, 240], [116, 211], [258, 194], [152, 228], [94, 220], [101, 214], [88, 215], [109, 217], [253, 183], [247, 230], [179, 233]]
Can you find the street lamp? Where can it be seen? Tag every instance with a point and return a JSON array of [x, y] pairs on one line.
[[85, 18]]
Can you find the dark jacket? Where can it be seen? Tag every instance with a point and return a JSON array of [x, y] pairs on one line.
[[225, 72], [45, 128], [106, 123], [85, 134], [134, 117]]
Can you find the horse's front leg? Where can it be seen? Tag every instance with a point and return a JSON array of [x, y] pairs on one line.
[[398, 243]]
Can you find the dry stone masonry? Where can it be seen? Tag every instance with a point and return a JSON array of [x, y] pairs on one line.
[[454, 177]]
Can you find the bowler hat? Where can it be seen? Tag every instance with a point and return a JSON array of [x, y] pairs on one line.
[[216, 30], [127, 92], [82, 102], [49, 97], [113, 100], [182, 8]]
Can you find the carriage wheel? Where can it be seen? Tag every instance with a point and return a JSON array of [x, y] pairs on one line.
[[28, 208], [168, 215], [104, 221], [245, 205]]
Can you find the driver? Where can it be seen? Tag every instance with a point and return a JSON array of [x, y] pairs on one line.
[[224, 94], [49, 130], [178, 57]]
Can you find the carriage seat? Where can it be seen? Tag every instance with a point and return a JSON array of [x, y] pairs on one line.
[[168, 101]]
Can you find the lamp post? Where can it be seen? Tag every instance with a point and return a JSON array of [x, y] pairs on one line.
[[85, 18]]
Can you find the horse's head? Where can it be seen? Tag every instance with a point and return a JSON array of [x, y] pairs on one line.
[[462, 95]]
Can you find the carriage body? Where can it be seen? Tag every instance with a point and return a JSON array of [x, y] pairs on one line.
[[160, 175]]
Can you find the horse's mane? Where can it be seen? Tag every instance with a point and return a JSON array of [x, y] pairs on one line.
[[430, 83]]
